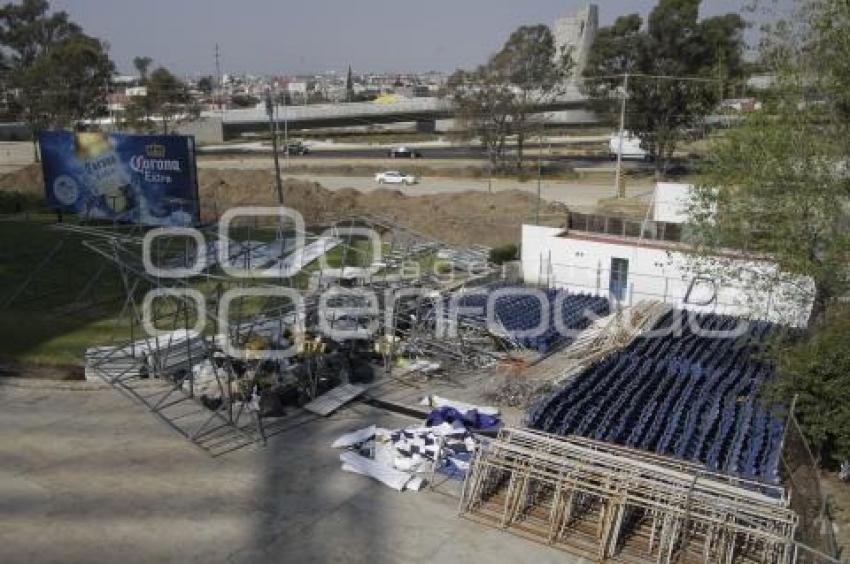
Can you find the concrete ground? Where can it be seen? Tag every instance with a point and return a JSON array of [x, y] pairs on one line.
[[88, 476]]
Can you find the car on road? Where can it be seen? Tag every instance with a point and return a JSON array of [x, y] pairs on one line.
[[631, 148], [395, 177], [296, 148], [404, 153]]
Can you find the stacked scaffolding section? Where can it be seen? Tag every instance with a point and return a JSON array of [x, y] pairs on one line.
[[689, 389], [606, 502]]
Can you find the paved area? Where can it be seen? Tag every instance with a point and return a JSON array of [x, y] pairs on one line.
[[88, 476]]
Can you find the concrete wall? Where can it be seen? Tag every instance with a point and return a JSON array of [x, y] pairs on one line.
[[553, 259], [671, 202], [207, 130], [16, 131], [578, 32]]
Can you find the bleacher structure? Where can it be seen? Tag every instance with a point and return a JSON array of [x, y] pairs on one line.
[[610, 503], [516, 312], [687, 390], [660, 451]]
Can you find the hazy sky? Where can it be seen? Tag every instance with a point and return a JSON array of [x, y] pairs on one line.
[[299, 36]]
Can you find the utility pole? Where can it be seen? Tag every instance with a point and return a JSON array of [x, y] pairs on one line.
[[490, 177], [286, 128], [218, 79], [273, 129], [621, 192]]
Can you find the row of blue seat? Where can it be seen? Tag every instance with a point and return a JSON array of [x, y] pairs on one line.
[[686, 390], [559, 317]]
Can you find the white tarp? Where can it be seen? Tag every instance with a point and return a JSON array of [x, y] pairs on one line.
[[353, 462]]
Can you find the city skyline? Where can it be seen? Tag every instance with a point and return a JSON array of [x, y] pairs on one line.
[[257, 37]]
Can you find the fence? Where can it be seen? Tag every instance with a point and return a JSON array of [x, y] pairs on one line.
[[815, 535], [621, 227]]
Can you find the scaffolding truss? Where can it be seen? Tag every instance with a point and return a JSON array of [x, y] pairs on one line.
[[614, 503], [222, 411]]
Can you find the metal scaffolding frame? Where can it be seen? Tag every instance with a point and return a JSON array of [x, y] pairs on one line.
[[614, 503], [160, 372]]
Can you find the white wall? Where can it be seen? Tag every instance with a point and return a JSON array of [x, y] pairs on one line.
[[654, 274], [671, 202]]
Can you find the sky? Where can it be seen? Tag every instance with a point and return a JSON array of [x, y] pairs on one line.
[[308, 36]]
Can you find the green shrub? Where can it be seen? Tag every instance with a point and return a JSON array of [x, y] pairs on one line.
[[503, 254]]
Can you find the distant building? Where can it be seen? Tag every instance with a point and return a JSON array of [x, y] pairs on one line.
[[136, 92], [761, 81], [577, 33]]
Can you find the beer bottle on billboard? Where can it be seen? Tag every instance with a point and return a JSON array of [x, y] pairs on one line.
[[108, 179]]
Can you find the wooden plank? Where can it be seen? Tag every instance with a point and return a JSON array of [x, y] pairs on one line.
[[327, 403]]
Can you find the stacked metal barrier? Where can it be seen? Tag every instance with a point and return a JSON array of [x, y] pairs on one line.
[[605, 502]]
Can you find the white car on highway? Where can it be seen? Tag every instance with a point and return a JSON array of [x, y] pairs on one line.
[[632, 148], [395, 177]]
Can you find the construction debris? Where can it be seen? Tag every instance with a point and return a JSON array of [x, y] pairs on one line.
[[401, 458], [524, 386], [437, 401], [397, 480]]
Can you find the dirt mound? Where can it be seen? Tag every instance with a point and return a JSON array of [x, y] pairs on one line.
[[460, 217], [27, 180]]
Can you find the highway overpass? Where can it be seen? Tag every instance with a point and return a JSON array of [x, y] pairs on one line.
[[425, 111]]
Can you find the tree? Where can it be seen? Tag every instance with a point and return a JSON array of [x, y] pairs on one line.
[[677, 67], [483, 110], [59, 74], [167, 101], [536, 73], [206, 85], [499, 97], [27, 31], [245, 100], [817, 372], [778, 188], [142, 65], [67, 83], [773, 191]]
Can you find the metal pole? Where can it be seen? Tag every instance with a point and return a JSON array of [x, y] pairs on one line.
[[286, 128], [273, 129], [621, 193], [539, 173], [490, 177]]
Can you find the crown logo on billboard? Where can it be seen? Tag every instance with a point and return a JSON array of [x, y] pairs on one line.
[[155, 151]]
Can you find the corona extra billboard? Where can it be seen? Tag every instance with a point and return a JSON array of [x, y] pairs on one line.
[[147, 179]]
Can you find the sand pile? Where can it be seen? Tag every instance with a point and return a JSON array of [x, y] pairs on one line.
[[461, 218]]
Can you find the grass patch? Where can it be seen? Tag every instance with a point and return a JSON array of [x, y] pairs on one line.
[[42, 271]]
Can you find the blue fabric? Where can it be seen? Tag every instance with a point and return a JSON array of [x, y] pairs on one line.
[[469, 420]]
